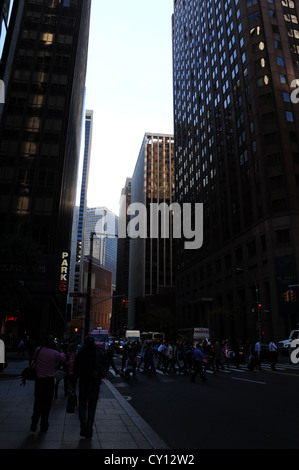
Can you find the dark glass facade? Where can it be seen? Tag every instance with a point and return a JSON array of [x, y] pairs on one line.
[[235, 65], [40, 137]]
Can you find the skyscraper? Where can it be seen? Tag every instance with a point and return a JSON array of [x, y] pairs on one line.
[[235, 66], [102, 222], [119, 311], [40, 138], [76, 275], [151, 259]]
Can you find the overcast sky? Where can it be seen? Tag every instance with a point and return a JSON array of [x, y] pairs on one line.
[[129, 88]]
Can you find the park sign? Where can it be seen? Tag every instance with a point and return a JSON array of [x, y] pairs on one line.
[[64, 268]]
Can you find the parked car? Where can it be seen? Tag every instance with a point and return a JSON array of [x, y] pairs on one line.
[[284, 345]]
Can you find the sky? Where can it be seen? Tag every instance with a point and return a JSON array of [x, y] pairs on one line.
[[129, 88]]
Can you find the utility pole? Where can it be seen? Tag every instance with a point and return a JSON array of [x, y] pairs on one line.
[[258, 305]]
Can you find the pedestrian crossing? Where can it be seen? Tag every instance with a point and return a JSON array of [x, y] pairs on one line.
[[266, 366]]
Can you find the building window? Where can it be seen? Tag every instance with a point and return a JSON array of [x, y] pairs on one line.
[[283, 236], [290, 116]]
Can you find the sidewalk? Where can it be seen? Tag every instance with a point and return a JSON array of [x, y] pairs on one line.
[[117, 425]]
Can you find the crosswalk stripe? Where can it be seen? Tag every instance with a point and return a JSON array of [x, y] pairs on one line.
[[241, 369]]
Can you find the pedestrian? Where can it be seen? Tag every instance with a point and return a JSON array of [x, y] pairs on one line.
[[142, 352], [236, 351], [170, 359], [110, 354], [130, 362], [273, 354], [210, 355], [30, 345], [124, 356], [21, 348], [188, 351], [218, 356], [87, 372], [71, 357], [149, 366], [257, 349], [47, 360], [198, 357], [226, 354], [181, 361], [161, 351]]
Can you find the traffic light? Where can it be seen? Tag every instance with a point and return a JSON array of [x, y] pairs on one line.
[[293, 296], [286, 296]]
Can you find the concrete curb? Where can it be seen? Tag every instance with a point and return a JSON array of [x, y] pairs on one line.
[[149, 434]]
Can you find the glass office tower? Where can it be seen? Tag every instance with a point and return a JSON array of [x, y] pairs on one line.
[[235, 67], [40, 138]]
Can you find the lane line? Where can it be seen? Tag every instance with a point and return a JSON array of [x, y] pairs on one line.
[[247, 380]]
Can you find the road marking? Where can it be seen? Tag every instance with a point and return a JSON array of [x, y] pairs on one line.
[[247, 380], [283, 373]]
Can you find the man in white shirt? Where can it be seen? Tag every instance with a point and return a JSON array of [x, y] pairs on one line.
[[273, 354]]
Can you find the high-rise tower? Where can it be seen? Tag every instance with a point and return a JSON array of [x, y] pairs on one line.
[[40, 129], [151, 259], [235, 66], [76, 277]]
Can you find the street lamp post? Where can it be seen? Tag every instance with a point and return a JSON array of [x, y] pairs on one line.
[[257, 297]]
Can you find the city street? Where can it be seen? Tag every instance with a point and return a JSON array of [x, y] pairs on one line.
[[236, 409]]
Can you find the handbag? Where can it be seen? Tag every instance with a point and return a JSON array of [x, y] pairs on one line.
[[30, 372]]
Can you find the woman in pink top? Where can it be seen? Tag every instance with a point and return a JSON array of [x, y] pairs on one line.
[[47, 361]]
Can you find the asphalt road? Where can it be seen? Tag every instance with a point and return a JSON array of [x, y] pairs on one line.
[[236, 409]]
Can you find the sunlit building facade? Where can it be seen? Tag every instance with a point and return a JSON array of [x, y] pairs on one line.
[[151, 267]]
